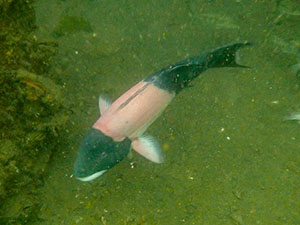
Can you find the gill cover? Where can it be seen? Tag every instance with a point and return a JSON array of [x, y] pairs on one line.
[[98, 153]]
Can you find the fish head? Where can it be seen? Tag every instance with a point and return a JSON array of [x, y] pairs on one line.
[[97, 154]]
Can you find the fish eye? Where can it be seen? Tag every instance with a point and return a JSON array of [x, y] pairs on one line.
[[103, 155]]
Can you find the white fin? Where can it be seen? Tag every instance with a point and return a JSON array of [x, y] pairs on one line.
[[293, 116], [104, 104], [148, 147]]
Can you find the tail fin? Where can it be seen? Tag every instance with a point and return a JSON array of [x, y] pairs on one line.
[[178, 76], [225, 56]]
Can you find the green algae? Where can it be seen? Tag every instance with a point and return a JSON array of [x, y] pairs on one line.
[[71, 24], [32, 112]]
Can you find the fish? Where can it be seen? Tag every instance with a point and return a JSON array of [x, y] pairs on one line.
[[122, 124]]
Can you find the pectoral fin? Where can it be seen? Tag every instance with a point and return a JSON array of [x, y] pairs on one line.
[[104, 104], [148, 147]]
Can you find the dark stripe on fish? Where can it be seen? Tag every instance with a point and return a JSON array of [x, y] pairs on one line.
[[133, 96]]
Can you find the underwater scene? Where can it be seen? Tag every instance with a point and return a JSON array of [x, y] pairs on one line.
[[137, 112]]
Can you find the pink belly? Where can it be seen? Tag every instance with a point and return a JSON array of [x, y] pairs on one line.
[[131, 114]]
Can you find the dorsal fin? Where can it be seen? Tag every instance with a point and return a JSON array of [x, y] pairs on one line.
[[104, 104]]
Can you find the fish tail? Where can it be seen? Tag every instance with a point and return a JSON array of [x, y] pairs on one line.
[[225, 56], [178, 76]]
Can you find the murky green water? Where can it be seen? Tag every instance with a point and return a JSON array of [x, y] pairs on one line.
[[230, 157]]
